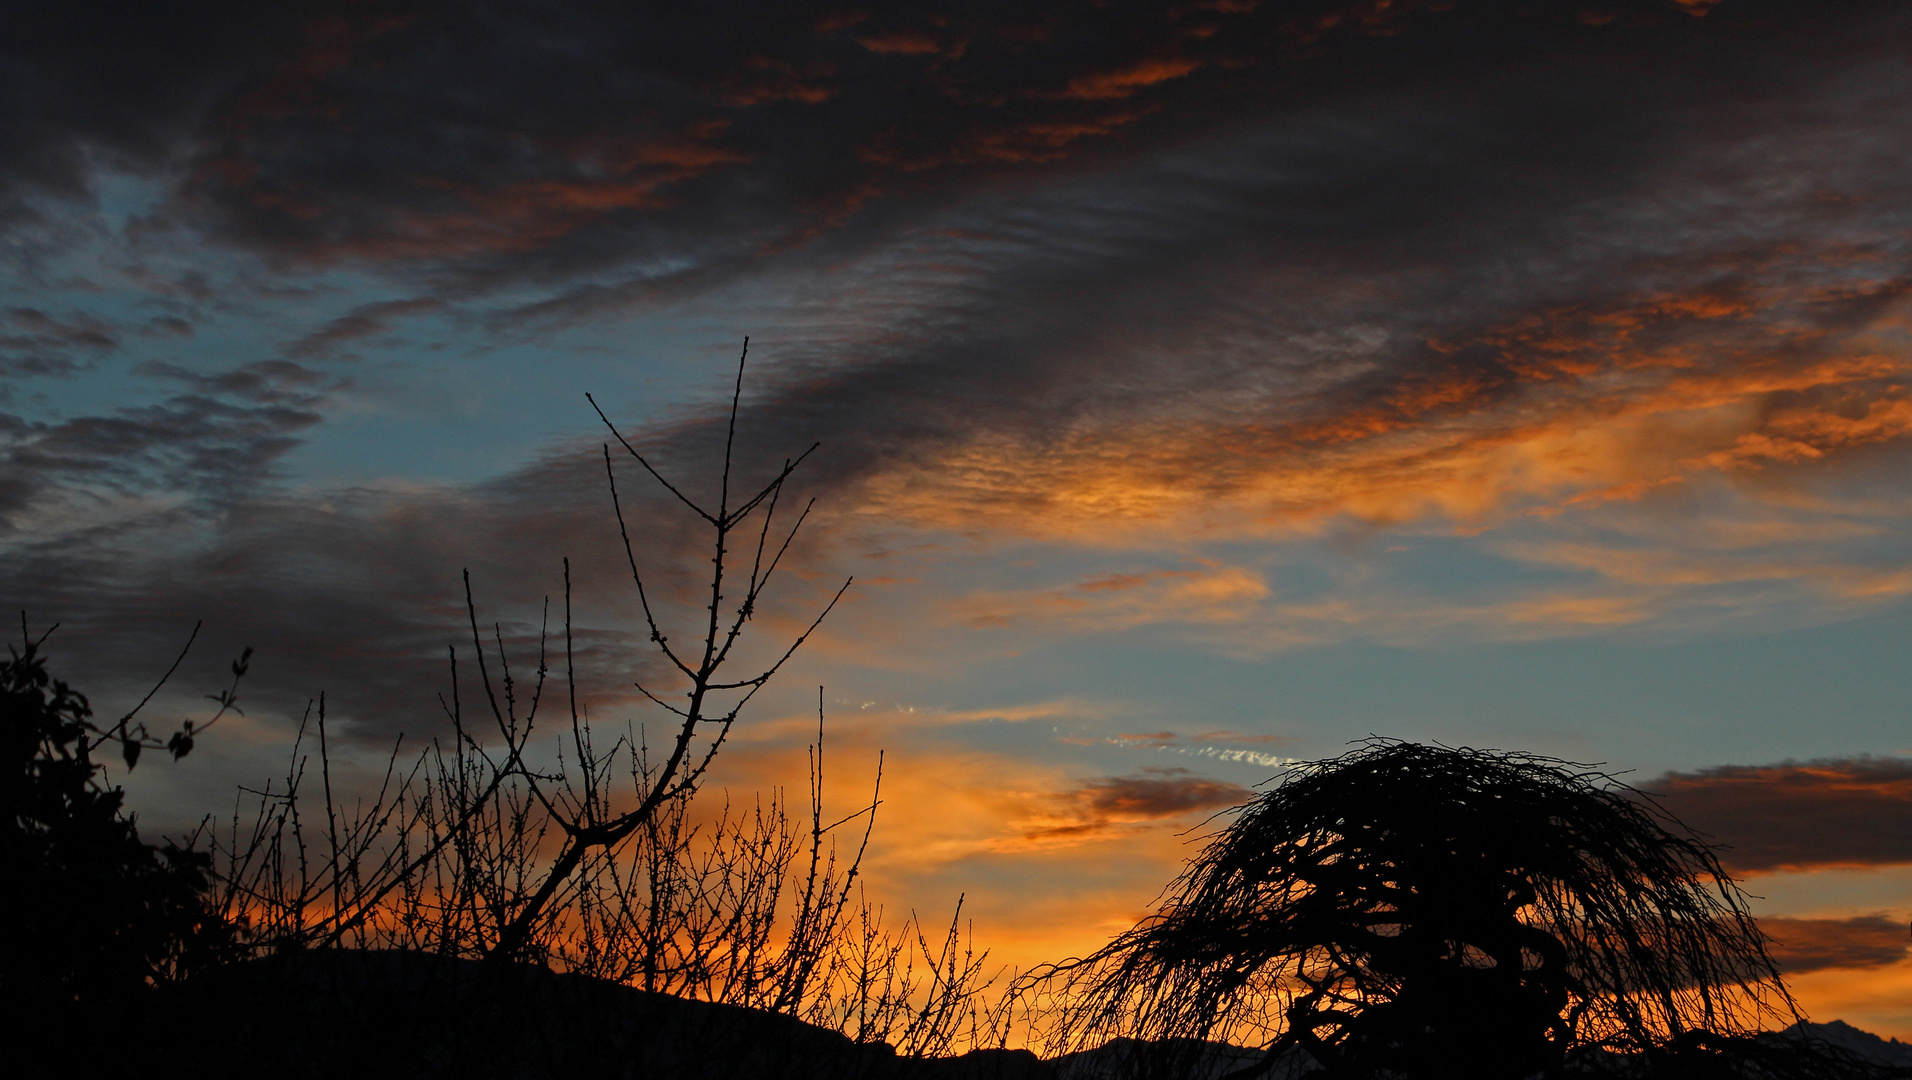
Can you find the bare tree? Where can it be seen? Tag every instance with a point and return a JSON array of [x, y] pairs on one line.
[[600, 865], [583, 814]]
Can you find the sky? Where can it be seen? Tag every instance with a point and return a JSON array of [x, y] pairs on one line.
[[1197, 387]]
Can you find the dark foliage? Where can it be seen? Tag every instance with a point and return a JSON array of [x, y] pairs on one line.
[[1419, 911], [90, 916]]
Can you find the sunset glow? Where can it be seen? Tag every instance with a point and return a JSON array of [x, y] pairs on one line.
[[1200, 387]]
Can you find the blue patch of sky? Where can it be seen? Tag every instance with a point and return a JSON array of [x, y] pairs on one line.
[[1629, 700], [439, 395]]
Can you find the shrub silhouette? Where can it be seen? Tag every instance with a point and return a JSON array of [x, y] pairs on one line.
[[91, 915], [1419, 911]]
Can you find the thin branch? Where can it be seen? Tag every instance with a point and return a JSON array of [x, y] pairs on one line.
[[120, 726], [789, 467], [787, 653], [657, 635], [730, 437], [681, 497]]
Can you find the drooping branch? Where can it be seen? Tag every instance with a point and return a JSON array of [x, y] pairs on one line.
[[1404, 909]]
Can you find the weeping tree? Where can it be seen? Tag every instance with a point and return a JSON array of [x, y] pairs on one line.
[[1419, 911]]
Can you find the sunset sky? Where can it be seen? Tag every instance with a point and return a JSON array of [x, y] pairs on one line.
[[1200, 386]]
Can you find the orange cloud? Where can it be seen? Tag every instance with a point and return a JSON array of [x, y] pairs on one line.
[[1032, 142], [1583, 408], [908, 42], [766, 80], [1126, 81], [1655, 566], [1051, 864], [1043, 141], [1211, 594], [841, 20]]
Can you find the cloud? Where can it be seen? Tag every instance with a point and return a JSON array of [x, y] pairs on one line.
[[533, 145], [1118, 802], [906, 41], [1231, 748], [1127, 81], [1209, 594], [221, 436], [1866, 941], [366, 321], [1463, 457], [98, 84], [35, 342], [1158, 793], [1796, 816], [129, 526]]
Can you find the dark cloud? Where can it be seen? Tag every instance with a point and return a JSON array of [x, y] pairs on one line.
[[221, 435], [1868, 941], [36, 342], [367, 321], [202, 445], [1852, 812], [1364, 270], [170, 325], [512, 143], [131, 86], [144, 521], [1154, 794], [1159, 793]]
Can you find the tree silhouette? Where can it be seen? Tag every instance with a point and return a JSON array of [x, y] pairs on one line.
[[1419, 911]]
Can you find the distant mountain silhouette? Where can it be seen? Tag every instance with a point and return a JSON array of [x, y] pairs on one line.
[[1890, 1052], [1120, 1059]]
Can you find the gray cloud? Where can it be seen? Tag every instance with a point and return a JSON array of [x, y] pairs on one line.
[[1159, 793], [1114, 802], [534, 145], [141, 522], [220, 437], [1845, 812], [36, 342], [368, 320], [1868, 941]]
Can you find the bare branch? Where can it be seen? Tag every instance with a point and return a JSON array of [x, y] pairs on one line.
[[681, 497], [650, 619], [120, 724], [787, 653]]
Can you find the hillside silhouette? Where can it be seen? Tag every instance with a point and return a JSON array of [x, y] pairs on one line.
[[335, 1012]]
